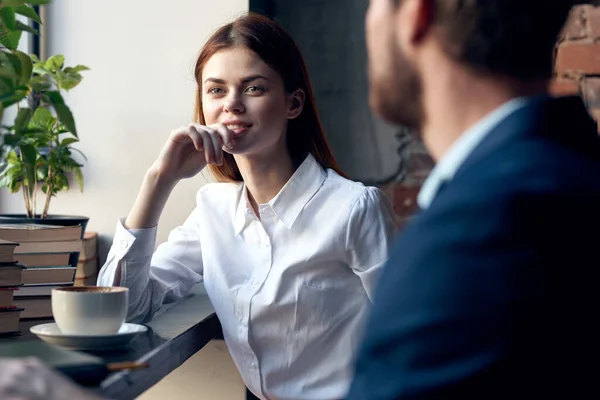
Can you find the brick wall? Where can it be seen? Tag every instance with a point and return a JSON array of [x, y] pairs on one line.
[[577, 72], [404, 194], [578, 57]]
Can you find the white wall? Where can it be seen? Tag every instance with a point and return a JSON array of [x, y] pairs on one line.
[[140, 87]]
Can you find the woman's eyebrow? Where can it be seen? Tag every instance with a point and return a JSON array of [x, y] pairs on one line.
[[215, 80], [246, 79], [251, 78]]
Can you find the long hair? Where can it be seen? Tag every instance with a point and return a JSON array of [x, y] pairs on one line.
[[279, 51]]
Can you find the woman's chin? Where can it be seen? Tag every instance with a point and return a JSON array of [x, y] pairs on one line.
[[233, 150]]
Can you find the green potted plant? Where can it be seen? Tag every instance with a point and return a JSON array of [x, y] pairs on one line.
[[37, 147]]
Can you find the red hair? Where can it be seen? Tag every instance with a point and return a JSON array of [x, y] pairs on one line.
[[279, 51]]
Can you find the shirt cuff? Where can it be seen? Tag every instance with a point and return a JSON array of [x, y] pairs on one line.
[[133, 242]]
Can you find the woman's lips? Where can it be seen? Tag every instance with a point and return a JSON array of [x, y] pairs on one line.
[[238, 130]]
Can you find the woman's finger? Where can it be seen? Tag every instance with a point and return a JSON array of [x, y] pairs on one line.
[[226, 135], [217, 144], [209, 149], [194, 135]]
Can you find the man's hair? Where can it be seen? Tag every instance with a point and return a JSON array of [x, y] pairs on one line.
[[511, 38]]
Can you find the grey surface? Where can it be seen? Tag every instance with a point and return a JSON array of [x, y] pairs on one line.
[[174, 319], [176, 333]]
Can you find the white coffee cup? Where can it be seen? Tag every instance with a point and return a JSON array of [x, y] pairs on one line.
[[89, 310]]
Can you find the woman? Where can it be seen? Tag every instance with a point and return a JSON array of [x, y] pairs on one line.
[[288, 249]]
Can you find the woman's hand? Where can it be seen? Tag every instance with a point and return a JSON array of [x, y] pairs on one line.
[[189, 149]]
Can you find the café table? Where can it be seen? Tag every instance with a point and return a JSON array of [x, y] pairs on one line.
[[176, 332]]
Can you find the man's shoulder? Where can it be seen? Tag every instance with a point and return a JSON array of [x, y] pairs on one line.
[[529, 167], [526, 189]]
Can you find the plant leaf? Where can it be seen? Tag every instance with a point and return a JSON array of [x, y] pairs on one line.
[[22, 120], [76, 69], [12, 98], [55, 63], [29, 158], [67, 141], [66, 117], [39, 83], [55, 97], [28, 12], [23, 2], [26, 68], [19, 26], [5, 182], [11, 140], [62, 111], [15, 186], [29, 154], [39, 69], [78, 177], [68, 81], [14, 61], [10, 39], [7, 16], [41, 117]]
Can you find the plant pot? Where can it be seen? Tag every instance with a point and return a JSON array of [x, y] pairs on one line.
[[63, 220]]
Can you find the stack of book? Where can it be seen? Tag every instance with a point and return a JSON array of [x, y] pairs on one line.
[[87, 267], [11, 277], [49, 254]]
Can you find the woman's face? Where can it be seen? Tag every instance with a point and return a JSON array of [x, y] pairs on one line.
[[242, 92]]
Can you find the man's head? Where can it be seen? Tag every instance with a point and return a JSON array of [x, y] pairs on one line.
[[508, 39]]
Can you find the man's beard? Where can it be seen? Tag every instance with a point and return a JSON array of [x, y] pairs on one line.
[[396, 95]]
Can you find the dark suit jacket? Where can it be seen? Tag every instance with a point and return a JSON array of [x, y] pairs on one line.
[[492, 292]]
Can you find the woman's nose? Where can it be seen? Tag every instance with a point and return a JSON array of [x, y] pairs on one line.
[[234, 104]]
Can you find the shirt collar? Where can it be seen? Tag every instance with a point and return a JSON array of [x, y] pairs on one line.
[[290, 200], [459, 151]]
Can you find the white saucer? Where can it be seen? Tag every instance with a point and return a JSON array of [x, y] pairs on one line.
[[51, 334]]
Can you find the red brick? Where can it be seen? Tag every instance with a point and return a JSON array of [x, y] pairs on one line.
[[420, 164], [564, 87], [405, 200], [576, 27], [578, 58], [591, 92], [593, 22]]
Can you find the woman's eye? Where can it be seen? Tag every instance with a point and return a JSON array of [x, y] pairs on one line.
[[215, 90], [255, 89]]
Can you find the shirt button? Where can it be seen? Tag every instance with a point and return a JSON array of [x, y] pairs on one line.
[[124, 244], [267, 245]]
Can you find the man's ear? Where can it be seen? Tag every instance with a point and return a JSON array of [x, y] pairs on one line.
[[296, 104], [414, 19]]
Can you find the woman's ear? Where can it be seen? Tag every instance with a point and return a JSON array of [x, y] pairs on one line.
[[296, 104]]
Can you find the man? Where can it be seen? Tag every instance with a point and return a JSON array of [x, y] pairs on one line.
[[490, 292]]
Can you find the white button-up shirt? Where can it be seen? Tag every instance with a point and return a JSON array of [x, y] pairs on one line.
[[290, 288]]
